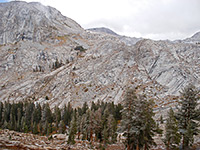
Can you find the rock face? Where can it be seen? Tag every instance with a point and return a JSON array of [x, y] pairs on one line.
[[32, 21], [195, 39], [130, 41], [103, 30], [54, 60]]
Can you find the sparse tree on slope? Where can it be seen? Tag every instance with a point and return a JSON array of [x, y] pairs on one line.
[[127, 118], [188, 115], [1, 113], [137, 122], [73, 129], [62, 127], [145, 125], [57, 116], [98, 124], [83, 126], [112, 127], [172, 136]]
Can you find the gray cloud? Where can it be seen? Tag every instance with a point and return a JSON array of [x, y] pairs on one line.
[[159, 20]]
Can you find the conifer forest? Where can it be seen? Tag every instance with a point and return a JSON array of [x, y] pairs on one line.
[[103, 121]]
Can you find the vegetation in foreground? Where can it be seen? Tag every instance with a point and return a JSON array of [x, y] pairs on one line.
[[103, 121], [97, 123]]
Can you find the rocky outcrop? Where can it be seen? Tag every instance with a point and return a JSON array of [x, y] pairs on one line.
[[130, 41], [21, 21], [67, 63], [16, 140], [195, 39], [103, 30]]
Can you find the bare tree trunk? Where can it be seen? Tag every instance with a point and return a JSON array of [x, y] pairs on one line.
[[145, 147], [128, 147], [137, 147], [79, 135], [183, 142], [168, 145], [91, 135]]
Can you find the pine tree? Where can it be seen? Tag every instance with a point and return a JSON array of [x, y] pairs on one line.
[[24, 126], [137, 122], [19, 116], [87, 125], [117, 113], [47, 114], [1, 114], [35, 128], [67, 114], [83, 126], [93, 106], [161, 119], [45, 128], [49, 129], [57, 116], [98, 124], [73, 129], [188, 115], [37, 113], [41, 128], [84, 108], [112, 128], [29, 108], [91, 124], [127, 121], [145, 124], [12, 119], [79, 125], [105, 135], [6, 115], [62, 127], [172, 136]]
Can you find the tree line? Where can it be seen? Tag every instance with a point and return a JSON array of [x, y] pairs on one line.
[[95, 123], [102, 121], [182, 122]]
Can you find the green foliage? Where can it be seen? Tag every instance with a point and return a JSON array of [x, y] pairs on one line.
[[172, 136], [35, 128], [161, 119], [47, 114], [98, 123], [73, 129], [84, 108], [67, 114], [38, 69], [127, 118], [62, 127], [188, 115], [80, 48], [137, 121], [57, 64]]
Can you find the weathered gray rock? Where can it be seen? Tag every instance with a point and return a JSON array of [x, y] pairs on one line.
[[101, 70], [130, 41], [33, 22], [195, 39], [103, 30]]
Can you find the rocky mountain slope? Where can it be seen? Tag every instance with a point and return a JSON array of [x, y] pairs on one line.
[[32, 21], [46, 57], [130, 41], [103, 30], [195, 39]]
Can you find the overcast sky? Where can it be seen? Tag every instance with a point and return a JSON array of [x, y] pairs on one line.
[[155, 19]]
